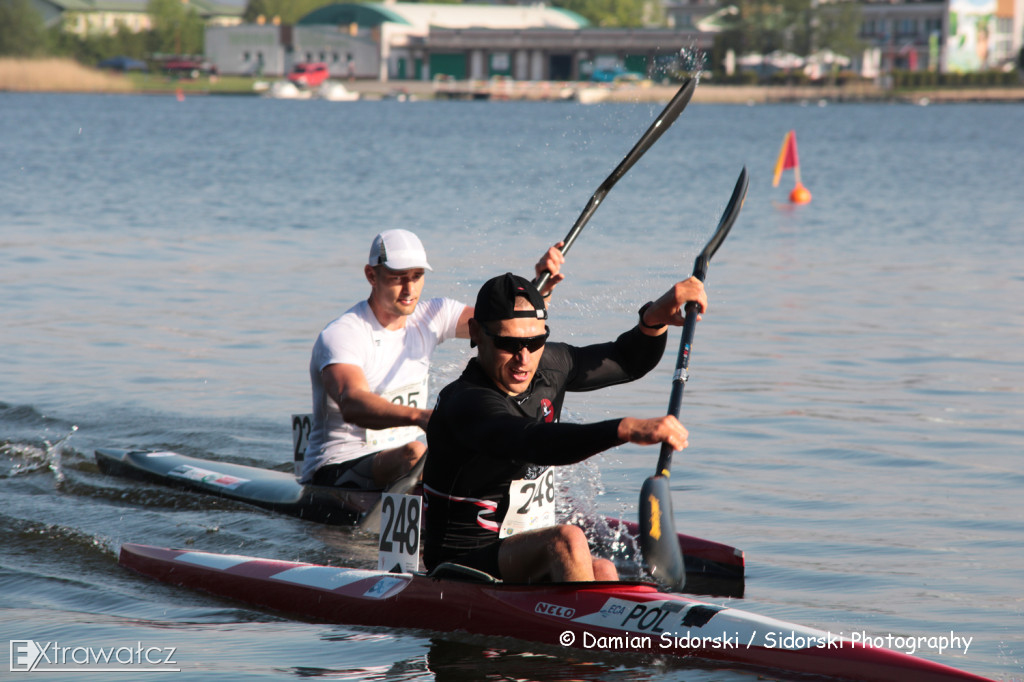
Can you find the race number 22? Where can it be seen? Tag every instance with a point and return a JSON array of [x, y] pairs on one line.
[[302, 424]]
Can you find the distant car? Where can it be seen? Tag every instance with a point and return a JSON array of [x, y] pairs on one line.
[[309, 74], [615, 75], [184, 66], [123, 64]]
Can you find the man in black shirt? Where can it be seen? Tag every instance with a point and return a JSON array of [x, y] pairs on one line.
[[494, 431]]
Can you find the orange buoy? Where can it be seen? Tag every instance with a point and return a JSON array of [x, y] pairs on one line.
[[788, 158], [180, 94], [800, 195]]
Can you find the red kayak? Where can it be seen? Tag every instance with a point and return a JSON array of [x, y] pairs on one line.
[[631, 617], [711, 567]]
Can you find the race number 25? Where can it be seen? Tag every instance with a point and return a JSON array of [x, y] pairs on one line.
[[409, 398]]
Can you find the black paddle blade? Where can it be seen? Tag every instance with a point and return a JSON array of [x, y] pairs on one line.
[[658, 540], [729, 215], [664, 121]]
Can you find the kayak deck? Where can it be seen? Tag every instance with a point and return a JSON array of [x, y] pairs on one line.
[[626, 617], [712, 568], [276, 491]]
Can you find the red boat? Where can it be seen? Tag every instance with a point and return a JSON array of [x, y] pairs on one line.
[[630, 617]]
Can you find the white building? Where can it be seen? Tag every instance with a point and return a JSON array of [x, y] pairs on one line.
[[418, 41], [92, 17]]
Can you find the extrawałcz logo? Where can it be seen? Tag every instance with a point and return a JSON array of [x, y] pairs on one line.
[[31, 656]]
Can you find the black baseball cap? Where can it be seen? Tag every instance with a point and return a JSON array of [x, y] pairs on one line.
[[497, 299]]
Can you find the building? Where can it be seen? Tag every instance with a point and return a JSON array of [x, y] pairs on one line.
[[272, 50], [91, 17], [944, 35], [938, 35], [420, 41]]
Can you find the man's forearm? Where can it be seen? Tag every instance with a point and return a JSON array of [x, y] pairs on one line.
[[370, 411]]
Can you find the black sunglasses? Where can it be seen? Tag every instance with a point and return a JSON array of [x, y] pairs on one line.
[[514, 344]]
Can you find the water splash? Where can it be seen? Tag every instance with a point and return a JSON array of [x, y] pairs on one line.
[[580, 485], [53, 455], [693, 60], [22, 459]]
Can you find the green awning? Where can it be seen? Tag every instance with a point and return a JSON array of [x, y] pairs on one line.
[[340, 14]]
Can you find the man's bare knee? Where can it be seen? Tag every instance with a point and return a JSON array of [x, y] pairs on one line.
[[411, 454], [389, 465], [418, 447], [605, 570], [570, 554]]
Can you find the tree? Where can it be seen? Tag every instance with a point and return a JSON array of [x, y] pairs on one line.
[[798, 26], [22, 33], [764, 26], [613, 13], [289, 11], [177, 28], [93, 48], [838, 28]]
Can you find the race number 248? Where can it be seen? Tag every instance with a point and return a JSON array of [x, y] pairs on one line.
[[531, 504], [399, 533]]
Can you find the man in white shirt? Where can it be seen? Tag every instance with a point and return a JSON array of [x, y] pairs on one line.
[[369, 368]]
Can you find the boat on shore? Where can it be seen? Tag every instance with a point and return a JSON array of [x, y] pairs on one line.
[[618, 618], [331, 91]]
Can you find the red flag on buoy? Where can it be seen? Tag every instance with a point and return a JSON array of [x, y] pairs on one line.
[[788, 158]]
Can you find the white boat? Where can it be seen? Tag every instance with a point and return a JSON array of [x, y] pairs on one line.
[[590, 95], [336, 92], [287, 90]]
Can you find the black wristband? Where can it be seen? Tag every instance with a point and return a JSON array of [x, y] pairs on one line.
[[643, 309]]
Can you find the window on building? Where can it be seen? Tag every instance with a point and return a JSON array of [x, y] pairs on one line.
[[907, 27]]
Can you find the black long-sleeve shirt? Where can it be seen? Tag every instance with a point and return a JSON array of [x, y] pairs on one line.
[[480, 439]]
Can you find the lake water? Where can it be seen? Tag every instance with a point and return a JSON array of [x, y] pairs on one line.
[[855, 405]]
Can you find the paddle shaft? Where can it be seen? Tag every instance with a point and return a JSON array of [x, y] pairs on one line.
[[665, 120], [661, 552], [675, 400], [700, 271]]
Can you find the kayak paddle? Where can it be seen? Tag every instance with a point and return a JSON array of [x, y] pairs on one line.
[[665, 119], [658, 541]]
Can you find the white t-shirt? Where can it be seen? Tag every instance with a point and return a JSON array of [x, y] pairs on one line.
[[395, 364]]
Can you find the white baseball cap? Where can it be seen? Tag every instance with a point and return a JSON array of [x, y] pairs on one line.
[[398, 250]]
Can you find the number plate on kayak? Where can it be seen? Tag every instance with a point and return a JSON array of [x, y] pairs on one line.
[[399, 533]]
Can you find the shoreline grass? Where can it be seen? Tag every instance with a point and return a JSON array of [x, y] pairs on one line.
[[62, 75], [57, 75]]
